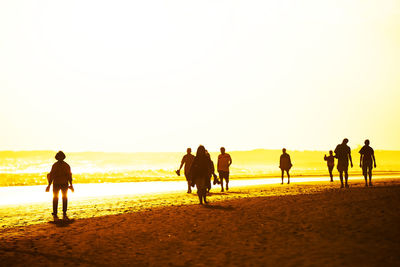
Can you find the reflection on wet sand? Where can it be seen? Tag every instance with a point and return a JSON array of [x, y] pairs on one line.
[[91, 203]]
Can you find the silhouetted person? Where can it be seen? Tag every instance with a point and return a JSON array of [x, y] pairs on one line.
[[330, 161], [366, 158], [200, 172], [285, 164], [343, 154], [224, 162], [212, 172], [60, 176], [187, 161]]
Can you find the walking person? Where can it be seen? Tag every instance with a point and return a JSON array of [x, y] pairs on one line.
[[343, 154], [330, 161], [187, 161], [367, 155], [285, 164], [60, 176], [212, 173], [200, 172], [224, 162]]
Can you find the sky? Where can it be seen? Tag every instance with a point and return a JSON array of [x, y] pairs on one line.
[[158, 75]]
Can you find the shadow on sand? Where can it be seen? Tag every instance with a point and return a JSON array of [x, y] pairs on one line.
[[62, 223], [219, 207], [225, 193]]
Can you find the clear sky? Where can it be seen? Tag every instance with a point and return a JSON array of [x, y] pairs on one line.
[[163, 75]]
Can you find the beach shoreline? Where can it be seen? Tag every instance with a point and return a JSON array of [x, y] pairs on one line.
[[308, 224]]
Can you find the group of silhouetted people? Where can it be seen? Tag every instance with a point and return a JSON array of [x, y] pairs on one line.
[[343, 155], [199, 170]]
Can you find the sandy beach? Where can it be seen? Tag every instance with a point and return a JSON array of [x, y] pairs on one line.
[[311, 224]]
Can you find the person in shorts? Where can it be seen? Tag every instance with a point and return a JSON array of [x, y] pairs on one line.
[[187, 161], [224, 162], [285, 164], [330, 161], [343, 154], [367, 156]]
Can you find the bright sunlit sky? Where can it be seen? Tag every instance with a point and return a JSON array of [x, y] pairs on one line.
[[163, 75]]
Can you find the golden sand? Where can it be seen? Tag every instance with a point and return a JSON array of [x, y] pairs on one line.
[[310, 224]]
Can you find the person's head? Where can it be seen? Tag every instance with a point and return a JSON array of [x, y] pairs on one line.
[[330, 152], [60, 156], [222, 149], [201, 151], [366, 142], [284, 150], [189, 150], [345, 141], [208, 154]]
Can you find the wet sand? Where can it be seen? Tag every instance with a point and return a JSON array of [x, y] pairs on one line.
[[299, 224]]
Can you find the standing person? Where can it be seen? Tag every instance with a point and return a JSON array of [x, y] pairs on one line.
[[224, 162], [187, 161], [285, 164], [212, 172], [343, 154], [60, 176], [330, 161], [366, 158], [200, 172]]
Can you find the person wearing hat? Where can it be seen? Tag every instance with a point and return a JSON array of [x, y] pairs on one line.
[[60, 176]]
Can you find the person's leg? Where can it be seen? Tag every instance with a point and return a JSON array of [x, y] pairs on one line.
[[365, 174], [64, 192], [221, 177], [189, 184], [341, 178], [346, 177], [56, 190], [370, 175], [282, 175], [288, 176], [330, 173], [209, 184], [199, 194], [205, 196], [227, 180]]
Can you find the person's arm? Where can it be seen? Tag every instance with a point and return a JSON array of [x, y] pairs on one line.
[[212, 167], [361, 157], [351, 160], [230, 161], [70, 179], [373, 157], [325, 157], [50, 179], [182, 163], [69, 176]]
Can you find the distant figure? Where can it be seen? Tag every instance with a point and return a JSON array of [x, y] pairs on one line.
[[343, 154], [285, 164], [187, 161], [212, 172], [200, 172], [330, 161], [224, 162], [366, 158], [60, 176]]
